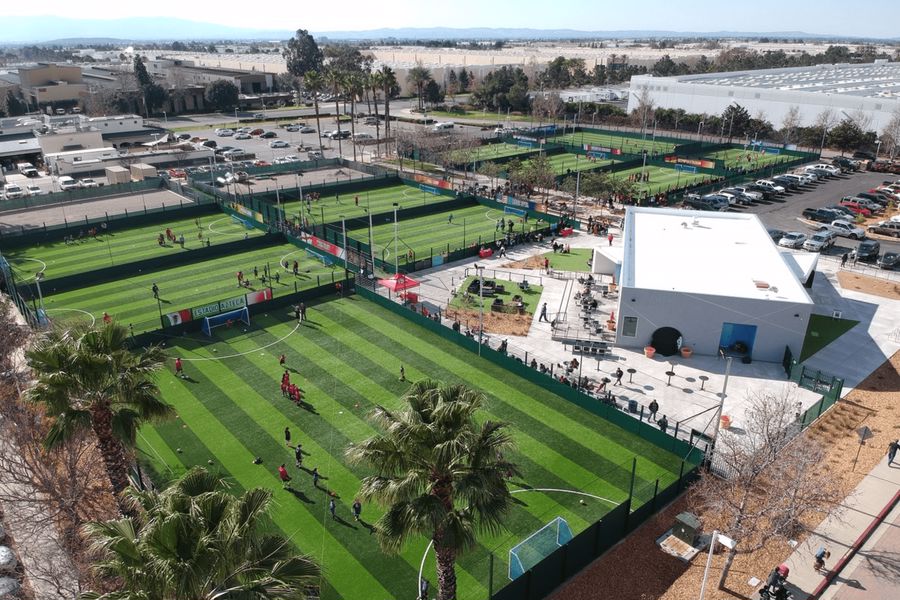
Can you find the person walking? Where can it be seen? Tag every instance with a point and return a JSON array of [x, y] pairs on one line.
[[356, 508], [315, 476], [423, 589], [654, 406], [287, 436], [844, 258], [663, 423], [302, 311], [892, 451], [331, 508], [402, 373], [281, 360], [298, 455], [155, 290], [619, 374], [179, 368], [821, 554], [297, 312], [610, 238], [543, 316]]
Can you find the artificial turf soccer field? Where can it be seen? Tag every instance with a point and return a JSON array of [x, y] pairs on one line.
[[564, 163], [662, 178], [737, 157], [130, 300], [436, 231], [347, 358], [489, 152], [374, 201], [121, 246], [627, 144]]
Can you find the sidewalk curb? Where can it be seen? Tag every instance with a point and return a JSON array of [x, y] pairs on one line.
[[857, 545]]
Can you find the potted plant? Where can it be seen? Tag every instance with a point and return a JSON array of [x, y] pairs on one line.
[[649, 351], [686, 351]]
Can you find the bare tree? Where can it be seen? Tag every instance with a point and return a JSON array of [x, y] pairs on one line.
[[547, 107], [890, 135], [646, 107], [790, 123], [766, 481], [862, 119]]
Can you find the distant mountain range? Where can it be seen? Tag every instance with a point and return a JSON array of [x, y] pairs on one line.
[[60, 30]]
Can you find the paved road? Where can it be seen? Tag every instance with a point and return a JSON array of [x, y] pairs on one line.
[[783, 213]]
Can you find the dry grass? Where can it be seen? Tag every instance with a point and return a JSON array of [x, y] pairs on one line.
[[637, 570], [494, 322], [869, 285]]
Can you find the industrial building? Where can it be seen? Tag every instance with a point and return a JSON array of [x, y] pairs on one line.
[[858, 91], [712, 282]]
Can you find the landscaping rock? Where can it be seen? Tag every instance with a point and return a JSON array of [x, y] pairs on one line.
[[9, 588], [8, 561]]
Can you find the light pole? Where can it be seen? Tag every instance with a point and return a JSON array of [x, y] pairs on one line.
[[396, 256], [877, 149], [37, 279], [481, 306], [725, 541], [346, 251], [721, 401], [699, 129]]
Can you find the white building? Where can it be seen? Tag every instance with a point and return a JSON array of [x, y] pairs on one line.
[[856, 91], [709, 281]]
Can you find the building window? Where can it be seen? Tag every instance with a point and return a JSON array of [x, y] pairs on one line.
[[629, 326], [756, 96]]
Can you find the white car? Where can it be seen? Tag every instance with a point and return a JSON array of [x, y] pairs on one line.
[[225, 133], [33, 190], [279, 144], [13, 191], [292, 158], [243, 130], [306, 129], [242, 136], [830, 168], [362, 136], [67, 183], [770, 185], [794, 239], [89, 183]]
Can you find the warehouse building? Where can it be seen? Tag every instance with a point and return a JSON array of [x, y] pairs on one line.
[[857, 91], [713, 282]]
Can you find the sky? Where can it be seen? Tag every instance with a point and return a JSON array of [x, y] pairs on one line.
[[874, 18]]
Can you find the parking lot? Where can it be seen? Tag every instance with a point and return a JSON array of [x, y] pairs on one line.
[[784, 212]]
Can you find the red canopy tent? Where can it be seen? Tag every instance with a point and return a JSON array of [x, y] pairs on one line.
[[398, 282]]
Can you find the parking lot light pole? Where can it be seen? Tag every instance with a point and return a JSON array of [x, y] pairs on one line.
[[396, 256], [481, 306]]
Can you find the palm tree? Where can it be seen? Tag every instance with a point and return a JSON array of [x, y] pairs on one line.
[[439, 473], [418, 76], [197, 541], [314, 84], [87, 378], [336, 80], [354, 87], [376, 83], [389, 82]]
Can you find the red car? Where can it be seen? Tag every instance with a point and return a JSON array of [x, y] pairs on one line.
[[261, 163], [857, 208], [177, 174]]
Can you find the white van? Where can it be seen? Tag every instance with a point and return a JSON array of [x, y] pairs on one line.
[[67, 183], [442, 126], [27, 169]]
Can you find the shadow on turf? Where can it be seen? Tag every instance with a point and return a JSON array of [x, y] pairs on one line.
[[341, 521], [300, 496]]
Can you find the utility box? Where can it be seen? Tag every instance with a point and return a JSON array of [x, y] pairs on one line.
[[142, 171], [686, 528], [115, 175]]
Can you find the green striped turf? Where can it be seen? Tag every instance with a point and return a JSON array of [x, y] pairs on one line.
[[662, 178], [627, 144], [121, 246], [435, 231], [377, 201], [347, 358], [130, 301], [566, 162], [737, 157], [489, 152]]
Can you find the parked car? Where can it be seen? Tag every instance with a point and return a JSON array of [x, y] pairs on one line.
[[267, 135], [177, 174], [878, 199], [770, 185], [184, 136], [370, 121], [708, 202], [831, 169], [259, 116], [224, 133], [210, 143], [891, 228], [821, 215], [863, 155], [257, 131], [872, 206], [868, 251], [793, 239], [844, 163], [279, 144], [820, 241], [362, 136], [787, 183], [845, 229], [735, 197], [242, 136], [67, 183], [856, 207], [292, 128], [843, 212], [307, 129], [775, 234], [33, 190], [753, 195], [89, 183], [889, 260], [12, 191]]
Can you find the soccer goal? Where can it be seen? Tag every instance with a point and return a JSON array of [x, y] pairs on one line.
[[228, 318], [686, 168], [240, 221], [510, 210], [538, 546]]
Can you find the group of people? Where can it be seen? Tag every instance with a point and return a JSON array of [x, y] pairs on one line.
[[288, 389], [92, 232], [244, 281]]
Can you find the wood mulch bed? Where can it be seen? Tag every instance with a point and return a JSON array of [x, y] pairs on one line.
[[869, 285]]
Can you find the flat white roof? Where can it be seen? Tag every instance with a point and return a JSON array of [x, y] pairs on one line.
[[710, 253]]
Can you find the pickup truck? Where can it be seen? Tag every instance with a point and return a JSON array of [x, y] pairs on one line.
[[845, 229], [820, 241]]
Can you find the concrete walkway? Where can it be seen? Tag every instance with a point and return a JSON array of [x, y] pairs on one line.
[[838, 532]]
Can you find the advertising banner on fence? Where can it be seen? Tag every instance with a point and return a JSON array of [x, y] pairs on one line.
[[322, 245], [432, 181], [260, 296], [177, 318], [694, 162], [591, 149], [243, 210], [220, 306], [513, 201]]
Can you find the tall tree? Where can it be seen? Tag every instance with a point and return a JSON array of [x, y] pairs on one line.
[[390, 85], [418, 77], [336, 81], [440, 473], [355, 85], [302, 54], [221, 94], [313, 83], [140, 71], [738, 119], [196, 540], [87, 378]]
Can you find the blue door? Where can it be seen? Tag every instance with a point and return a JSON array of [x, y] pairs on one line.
[[737, 338]]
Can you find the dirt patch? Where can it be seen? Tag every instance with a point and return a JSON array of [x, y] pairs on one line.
[[494, 322], [638, 570], [532, 262], [869, 285]]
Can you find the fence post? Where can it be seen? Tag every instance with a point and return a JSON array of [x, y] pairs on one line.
[[655, 492], [681, 475], [490, 575]]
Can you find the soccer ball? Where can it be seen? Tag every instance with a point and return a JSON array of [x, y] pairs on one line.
[[209, 462], [214, 350], [582, 502], [178, 450]]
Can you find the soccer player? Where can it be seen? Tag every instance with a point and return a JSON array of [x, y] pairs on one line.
[[106, 318], [357, 509], [155, 290], [298, 455], [285, 478], [315, 476], [179, 368], [331, 508], [287, 436], [281, 360]]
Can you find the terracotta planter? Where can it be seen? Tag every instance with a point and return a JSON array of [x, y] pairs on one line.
[[611, 325], [686, 352], [611, 287], [649, 351]]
